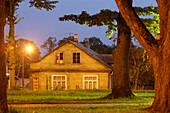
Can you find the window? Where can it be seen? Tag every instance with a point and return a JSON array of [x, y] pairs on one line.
[[59, 58], [35, 83], [90, 82], [59, 82], [76, 58]]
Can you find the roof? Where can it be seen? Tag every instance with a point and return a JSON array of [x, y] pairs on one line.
[[108, 58], [88, 51]]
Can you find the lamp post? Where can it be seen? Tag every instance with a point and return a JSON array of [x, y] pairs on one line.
[[28, 49]]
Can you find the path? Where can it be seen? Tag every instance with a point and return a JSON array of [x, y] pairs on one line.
[[74, 105]]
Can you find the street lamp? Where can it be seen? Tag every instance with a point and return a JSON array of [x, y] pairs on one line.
[[28, 49]]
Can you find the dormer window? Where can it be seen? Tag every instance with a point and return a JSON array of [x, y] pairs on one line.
[[59, 58], [76, 58]]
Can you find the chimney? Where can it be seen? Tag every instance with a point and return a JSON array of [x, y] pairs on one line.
[[86, 42], [76, 38]]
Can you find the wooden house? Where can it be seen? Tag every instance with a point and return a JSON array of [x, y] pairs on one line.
[[70, 66]]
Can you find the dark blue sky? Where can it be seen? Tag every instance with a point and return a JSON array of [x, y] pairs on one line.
[[38, 25]]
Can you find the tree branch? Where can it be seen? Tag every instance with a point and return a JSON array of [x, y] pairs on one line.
[[136, 25]]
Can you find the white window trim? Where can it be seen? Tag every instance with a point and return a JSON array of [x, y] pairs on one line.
[[59, 75], [89, 80]]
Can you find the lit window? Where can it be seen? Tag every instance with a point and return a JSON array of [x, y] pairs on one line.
[[59, 58], [58, 82], [90, 81], [76, 57]]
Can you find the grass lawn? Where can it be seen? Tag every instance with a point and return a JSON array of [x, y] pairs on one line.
[[74, 96], [58, 109]]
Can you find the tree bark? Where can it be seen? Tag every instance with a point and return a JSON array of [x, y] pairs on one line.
[[3, 91], [135, 71], [12, 61], [157, 49], [121, 84], [161, 66], [136, 81]]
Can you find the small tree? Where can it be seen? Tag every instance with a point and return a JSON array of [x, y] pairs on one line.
[[49, 44], [20, 50], [71, 38], [140, 71], [97, 45]]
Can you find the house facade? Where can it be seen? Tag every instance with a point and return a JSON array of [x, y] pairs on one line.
[[70, 66]]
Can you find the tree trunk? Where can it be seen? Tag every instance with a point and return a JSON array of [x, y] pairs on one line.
[[136, 79], [161, 66], [135, 71], [12, 61], [121, 84], [157, 49], [3, 91]]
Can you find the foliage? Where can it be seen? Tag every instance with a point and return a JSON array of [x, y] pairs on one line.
[[71, 38], [50, 44], [109, 18], [46, 4], [21, 45], [141, 72], [105, 17], [97, 45], [94, 43]]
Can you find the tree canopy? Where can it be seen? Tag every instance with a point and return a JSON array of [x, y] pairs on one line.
[[49, 44], [97, 45], [109, 18]]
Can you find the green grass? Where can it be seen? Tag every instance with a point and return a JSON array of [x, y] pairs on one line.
[[74, 96], [101, 109]]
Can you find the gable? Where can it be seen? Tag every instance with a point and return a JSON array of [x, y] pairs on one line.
[[87, 62]]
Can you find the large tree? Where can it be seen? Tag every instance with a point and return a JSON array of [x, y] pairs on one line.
[[3, 91], [157, 49], [4, 10], [12, 18], [121, 86]]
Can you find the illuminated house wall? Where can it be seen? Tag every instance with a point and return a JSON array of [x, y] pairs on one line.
[[70, 66]]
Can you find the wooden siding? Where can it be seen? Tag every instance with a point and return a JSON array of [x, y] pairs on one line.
[[45, 68], [86, 62], [74, 80]]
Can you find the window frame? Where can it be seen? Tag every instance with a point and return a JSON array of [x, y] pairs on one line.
[[52, 85], [90, 80], [76, 58], [59, 57]]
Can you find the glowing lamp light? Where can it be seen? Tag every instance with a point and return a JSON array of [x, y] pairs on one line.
[[29, 49]]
